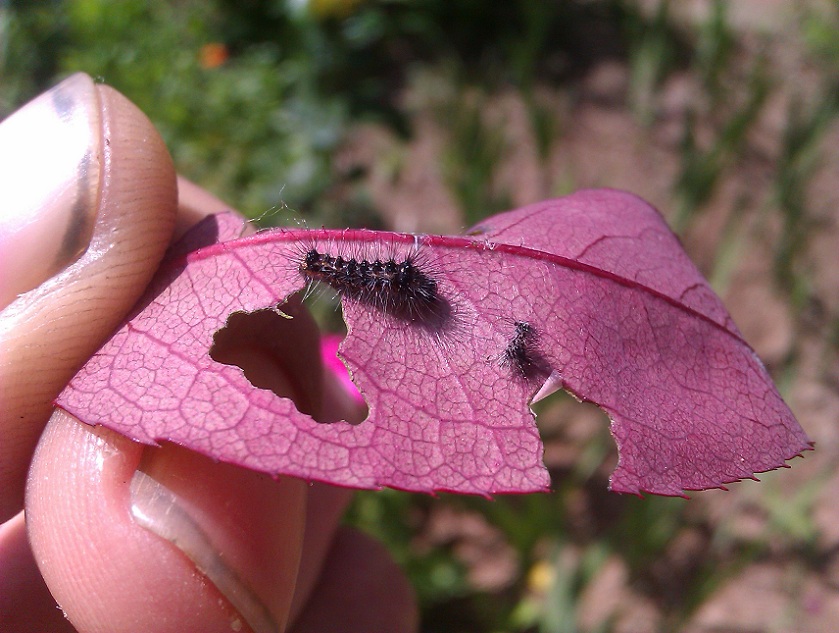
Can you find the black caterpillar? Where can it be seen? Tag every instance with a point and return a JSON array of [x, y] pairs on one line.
[[398, 288], [522, 354]]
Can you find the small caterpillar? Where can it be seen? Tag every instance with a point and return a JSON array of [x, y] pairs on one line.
[[522, 353], [398, 288]]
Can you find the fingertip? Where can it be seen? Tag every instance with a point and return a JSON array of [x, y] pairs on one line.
[[113, 570], [49, 331], [49, 175], [26, 605]]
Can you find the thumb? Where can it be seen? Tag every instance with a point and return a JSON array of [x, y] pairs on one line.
[[81, 245]]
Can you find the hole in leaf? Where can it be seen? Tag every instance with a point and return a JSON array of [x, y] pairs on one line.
[[278, 349], [281, 349], [578, 445], [324, 306]]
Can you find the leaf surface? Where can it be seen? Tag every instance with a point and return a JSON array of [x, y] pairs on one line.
[[613, 310]]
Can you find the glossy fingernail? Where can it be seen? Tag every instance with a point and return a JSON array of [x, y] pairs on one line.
[[50, 166], [242, 530], [158, 509]]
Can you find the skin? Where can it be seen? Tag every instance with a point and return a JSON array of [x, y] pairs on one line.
[[80, 543]]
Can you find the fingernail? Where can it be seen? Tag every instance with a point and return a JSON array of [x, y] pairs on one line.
[[219, 516], [49, 175], [159, 510]]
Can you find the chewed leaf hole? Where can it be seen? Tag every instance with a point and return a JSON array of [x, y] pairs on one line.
[[278, 349], [325, 308]]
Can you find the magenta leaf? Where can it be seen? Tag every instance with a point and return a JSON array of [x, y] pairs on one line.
[[448, 338]]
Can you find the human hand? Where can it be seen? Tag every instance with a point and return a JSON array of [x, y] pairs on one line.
[[128, 537]]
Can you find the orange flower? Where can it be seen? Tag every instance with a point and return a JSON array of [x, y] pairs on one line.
[[213, 55]]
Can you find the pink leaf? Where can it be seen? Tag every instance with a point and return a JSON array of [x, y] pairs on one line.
[[591, 292]]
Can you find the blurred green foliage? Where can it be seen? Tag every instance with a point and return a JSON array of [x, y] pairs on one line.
[[254, 98]]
